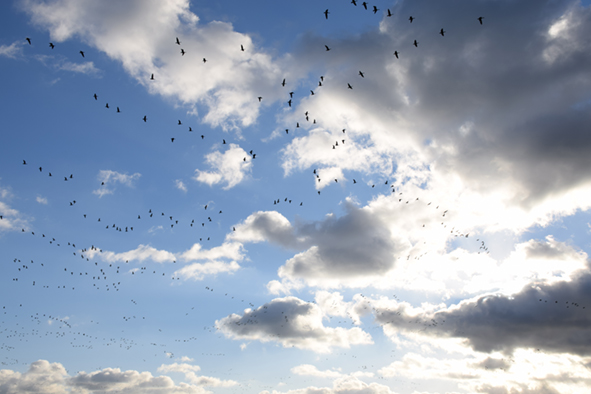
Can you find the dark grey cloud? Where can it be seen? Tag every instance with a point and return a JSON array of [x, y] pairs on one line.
[[518, 86], [293, 323], [356, 244], [550, 317]]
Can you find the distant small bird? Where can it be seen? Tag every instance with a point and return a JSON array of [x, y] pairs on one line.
[[389, 13], [242, 48], [327, 48], [118, 110], [354, 2], [362, 76], [326, 13], [291, 94], [82, 53], [172, 140], [182, 52], [51, 45], [311, 92], [416, 44], [289, 102], [396, 54], [204, 60], [349, 86], [180, 123], [224, 141], [107, 105], [177, 41], [364, 4], [375, 9], [442, 32], [411, 19], [260, 98], [28, 40], [24, 162], [283, 83], [95, 97], [152, 77], [145, 118]]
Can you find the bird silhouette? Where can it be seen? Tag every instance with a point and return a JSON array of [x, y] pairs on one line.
[[51, 45], [242, 48], [28, 40], [182, 52], [178, 42], [442, 32], [362, 76], [396, 54], [152, 77], [326, 13], [82, 53], [364, 4], [480, 18], [327, 48], [416, 44], [389, 13], [375, 9]]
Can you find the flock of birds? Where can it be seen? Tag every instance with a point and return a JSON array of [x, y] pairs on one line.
[[85, 272]]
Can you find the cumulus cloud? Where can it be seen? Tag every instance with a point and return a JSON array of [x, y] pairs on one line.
[[139, 36], [290, 322], [190, 374], [358, 244], [550, 316], [107, 177], [515, 132], [140, 254], [12, 219], [229, 167]]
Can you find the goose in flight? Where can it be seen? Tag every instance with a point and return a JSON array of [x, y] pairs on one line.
[[82, 53], [242, 48], [283, 83], [28, 40], [95, 97], [411, 19], [442, 32], [349, 86], [24, 162], [389, 13], [326, 13], [375, 9], [51, 45], [416, 44], [178, 42], [354, 2], [260, 98], [480, 19], [396, 54], [364, 4], [145, 118], [182, 52], [327, 48], [362, 76], [152, 78]]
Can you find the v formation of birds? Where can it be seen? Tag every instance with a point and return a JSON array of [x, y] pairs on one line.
[[112, 277]]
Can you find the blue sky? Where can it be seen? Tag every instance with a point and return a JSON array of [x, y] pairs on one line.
[[421, 227]]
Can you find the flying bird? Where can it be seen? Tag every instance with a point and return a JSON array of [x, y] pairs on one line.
[[82, 53], [416, 44], [360, 73], [260, 98], [411, 19], [327, 48], [389, 13], [283, 83], [51, 45], [182, 52], [442, 32], [242, 48], [364, 4], [178, 41], [152, 78], [354, 2], [375, 9], [28, 40], [349, 86], [95, 97], [396, 54], [326, 13], [145, 118]]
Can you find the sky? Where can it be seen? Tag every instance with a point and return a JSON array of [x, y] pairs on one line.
[[302, 197]]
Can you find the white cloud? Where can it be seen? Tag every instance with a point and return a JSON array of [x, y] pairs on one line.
[[12, 50], [291, 322], [180, 185], [87, 68], [347, 385], [107, 177], [228, 167], [139, 36], [41, 200], [140, 254]]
